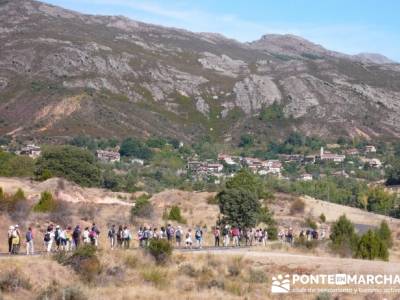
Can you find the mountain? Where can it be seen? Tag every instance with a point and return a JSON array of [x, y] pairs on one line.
[[63, 73]]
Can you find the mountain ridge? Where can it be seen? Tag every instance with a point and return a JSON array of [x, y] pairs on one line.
[[63, 73]]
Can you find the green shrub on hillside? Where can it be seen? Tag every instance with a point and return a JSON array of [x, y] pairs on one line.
[[343, 237], [385, 234], [160, 250], [371, 246], [175, 215], [12, 165], [143, 208], [73, 163], [46, 203]]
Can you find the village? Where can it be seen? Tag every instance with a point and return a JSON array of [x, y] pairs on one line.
[[226, 165]]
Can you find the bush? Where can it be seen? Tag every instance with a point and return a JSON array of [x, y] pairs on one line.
[[175, 215], [188, 270], [156, 276], [236, 266], [131, 261], [212, 200], [73, 293], [322, 218], [304, 243], [344, 240], [11, 281], [311, 223], [84, 261], [143, 208], [297, 207], [272, 232], [73, 163], [384, 233], [371, 246], [46, 203], [257, 276], [16, 205], [160, 250]]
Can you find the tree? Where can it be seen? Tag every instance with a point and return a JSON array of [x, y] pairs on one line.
[[393, 173], [240, 207], [70, 162], [135, 148], [245, 179], [371, 246], [46, 203], [272, 112], [343, 237], [385, 234], [246, 140]]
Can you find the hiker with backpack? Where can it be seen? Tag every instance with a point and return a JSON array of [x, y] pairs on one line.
[[235, 236], [68, 238], [95, 232], [29, 241], [199, 237], [170, 232], [16, 239], [126, 235], [217, 234], [225, 233], [57, 237], [188, 240], [178, 236], [10, 237], [120, 236], [86, 236], [112, 236], [76, 236], [48, 239]]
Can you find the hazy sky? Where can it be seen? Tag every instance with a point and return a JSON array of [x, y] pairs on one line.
[[349, 26]]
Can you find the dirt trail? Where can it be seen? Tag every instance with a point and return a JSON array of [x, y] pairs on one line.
[[317, 263]]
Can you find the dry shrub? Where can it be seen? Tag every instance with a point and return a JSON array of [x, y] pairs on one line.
[[131, 261], [297, 206], [189, 270], [13, 280], [156, 276], [257, 276], [236, 265]]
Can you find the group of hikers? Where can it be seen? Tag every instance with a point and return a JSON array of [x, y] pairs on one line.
[[56, 238]]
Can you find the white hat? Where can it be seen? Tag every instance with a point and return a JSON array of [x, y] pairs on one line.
[[58, 226], [16, 226]]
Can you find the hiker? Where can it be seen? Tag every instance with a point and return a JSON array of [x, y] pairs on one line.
[[217, 234], [246, 235], [178, 236], [235, 236], [289, 236], [76, 236], [29, 241], [112, 236], [199, 237], [10, 237], [154, 234], [15, 240], [126, 237], [85, 236], [146, 236], [48, 239], [95, 233], [170, 232], [188, 240], [225, 233], [68, 239], [120, 236], [322, 235], [265, 236], [57, 237], [162, 233]]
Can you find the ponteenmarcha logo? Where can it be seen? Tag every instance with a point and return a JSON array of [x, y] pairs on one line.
[[280, 284]]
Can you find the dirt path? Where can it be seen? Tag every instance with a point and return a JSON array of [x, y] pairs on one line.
[[317, 263]]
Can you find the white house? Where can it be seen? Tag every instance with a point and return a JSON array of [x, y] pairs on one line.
[[108, 156], [31, 150]]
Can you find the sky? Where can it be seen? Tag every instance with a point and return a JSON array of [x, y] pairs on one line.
[[348, 26]]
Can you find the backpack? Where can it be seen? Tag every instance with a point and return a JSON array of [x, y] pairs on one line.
[[111, 233], [28, 236], [198, 234], [92, 234], [145, 234], [57, 235], [178, 234], [75, 234], [47, 237], [225, 231]]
